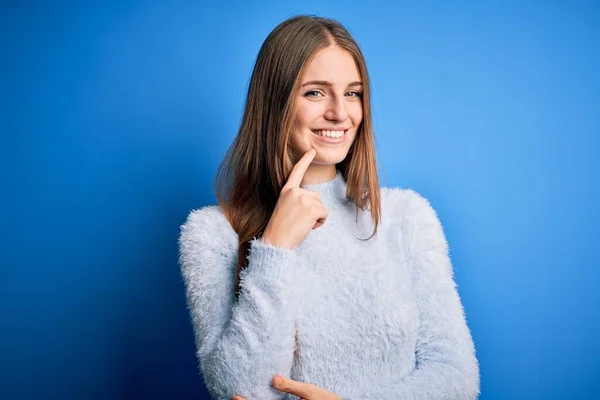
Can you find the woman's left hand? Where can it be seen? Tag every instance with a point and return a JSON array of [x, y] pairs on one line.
[[305, 391]]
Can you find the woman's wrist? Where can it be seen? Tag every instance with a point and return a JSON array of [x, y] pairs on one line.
[[265, 239]]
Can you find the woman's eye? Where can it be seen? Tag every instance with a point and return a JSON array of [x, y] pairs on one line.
[[355, 93], [313, 93], [318, 93]]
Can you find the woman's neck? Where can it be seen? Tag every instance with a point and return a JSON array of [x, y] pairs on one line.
[[317, 173]]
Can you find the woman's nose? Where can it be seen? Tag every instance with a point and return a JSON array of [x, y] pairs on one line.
[[336, 110]]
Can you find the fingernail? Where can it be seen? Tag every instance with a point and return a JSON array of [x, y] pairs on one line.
[[278, 380]]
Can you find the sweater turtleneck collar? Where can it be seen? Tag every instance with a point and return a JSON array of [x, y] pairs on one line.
[[332, 191]]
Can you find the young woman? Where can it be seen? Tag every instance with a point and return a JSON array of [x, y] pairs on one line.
[[307, 269]]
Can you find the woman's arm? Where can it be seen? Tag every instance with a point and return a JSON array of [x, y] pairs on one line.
[[446, 367], [240, 345]]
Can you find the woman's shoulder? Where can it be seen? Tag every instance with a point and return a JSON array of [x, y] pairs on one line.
[[409, 211], [404, 204], [208, 227]]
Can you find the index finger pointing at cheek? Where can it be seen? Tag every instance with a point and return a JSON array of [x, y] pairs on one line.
[[299, 169]]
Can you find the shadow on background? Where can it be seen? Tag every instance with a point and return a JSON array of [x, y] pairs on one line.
[[155, 350]]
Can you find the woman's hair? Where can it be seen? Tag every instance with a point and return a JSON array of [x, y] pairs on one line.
[[256, 166]]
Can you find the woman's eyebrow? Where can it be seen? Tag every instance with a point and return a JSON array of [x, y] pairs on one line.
[[327, 83]]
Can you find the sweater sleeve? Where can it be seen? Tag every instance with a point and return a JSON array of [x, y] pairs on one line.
[[240, 344], [446, 367]]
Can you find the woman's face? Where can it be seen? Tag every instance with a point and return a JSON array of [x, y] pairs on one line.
[[329, 106]]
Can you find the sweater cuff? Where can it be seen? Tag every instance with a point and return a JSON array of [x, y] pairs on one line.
[[273, 262], [272, 267]]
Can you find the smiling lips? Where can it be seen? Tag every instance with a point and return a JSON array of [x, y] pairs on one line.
[[330, 133], [331, 136]]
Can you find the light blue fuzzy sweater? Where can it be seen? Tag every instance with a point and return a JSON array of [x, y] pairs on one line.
[[378, 319]]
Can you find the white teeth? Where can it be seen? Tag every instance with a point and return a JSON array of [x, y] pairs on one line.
[[331, 134]]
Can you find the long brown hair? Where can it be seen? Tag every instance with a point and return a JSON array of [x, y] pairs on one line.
[[256, 166]]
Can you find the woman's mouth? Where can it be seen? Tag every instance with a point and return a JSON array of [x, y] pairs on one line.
[[331, 136]]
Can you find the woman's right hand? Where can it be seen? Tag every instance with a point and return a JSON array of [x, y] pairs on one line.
[[297, 211]]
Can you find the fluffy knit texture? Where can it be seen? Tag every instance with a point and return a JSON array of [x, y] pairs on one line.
[[378, 319]]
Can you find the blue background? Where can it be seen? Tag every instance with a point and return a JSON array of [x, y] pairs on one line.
[[114, 118]]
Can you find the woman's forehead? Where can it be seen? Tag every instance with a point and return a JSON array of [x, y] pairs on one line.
[[334, 65]]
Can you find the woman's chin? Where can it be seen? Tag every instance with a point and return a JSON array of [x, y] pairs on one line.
[[328, 159], [325, 155]]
